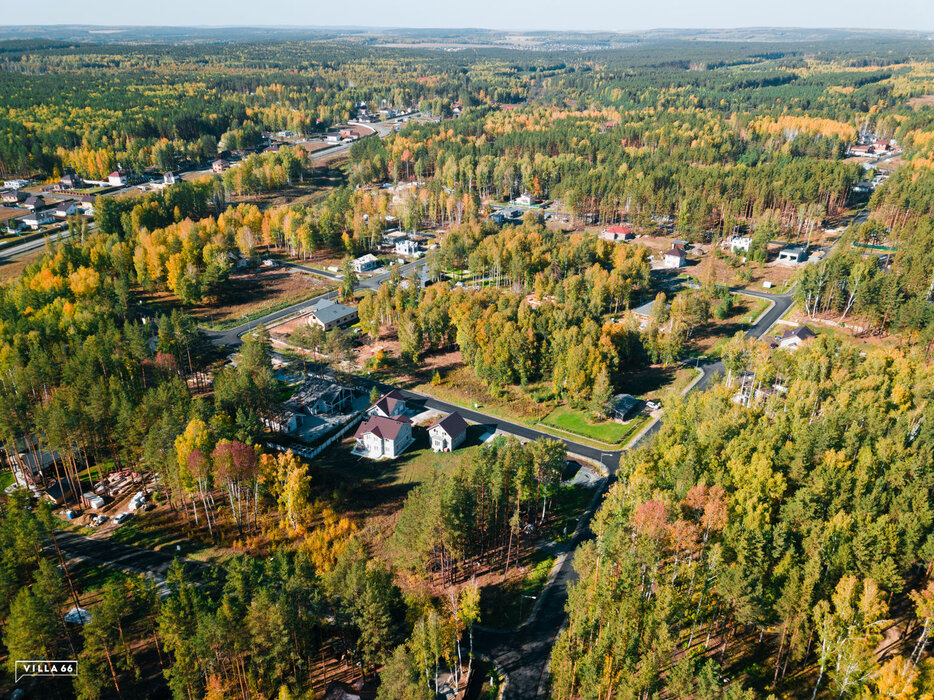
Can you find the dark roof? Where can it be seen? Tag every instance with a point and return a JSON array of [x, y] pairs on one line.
[[385, 428], [801, 333], [389, 401], [37, 200], [453, 424], [676, 249]]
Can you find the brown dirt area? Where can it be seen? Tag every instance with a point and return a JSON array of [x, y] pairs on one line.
[[713, 269], [11, 269], [851, 330], [245, 293], [921, 101], [7, 213]]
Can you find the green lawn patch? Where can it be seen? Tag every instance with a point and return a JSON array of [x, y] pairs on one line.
[[577, 422]]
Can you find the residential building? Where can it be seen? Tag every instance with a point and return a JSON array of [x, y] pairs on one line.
[[379, 437], [860, 150], [507, 215], [526, 199], [86, 202], [739, 244], [407, 246], [117, 179], [624, 406], [333, 137], [71, 180], [220, 165], [38, 218], [365, 263], [317, 396], [448, 433], [36, 201], [674, 258], [390, 405], [13, 196], [793, 338], [617, 233], [169, 178], [647, 312], [327, 314], [792, 255], [66, 208]]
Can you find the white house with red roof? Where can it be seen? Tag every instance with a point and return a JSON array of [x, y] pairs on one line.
[[379, 437], [675, 258], [448, 433], [117, 179], [390, 405]]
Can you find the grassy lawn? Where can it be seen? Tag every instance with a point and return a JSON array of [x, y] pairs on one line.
[[579, 423], [6, 479], [508, 604], [655, 382]]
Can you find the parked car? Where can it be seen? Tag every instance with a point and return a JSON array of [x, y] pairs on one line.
[[653, 405], [122, 518]]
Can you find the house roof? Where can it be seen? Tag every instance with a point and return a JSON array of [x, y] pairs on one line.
[[801, 333], [618, 230], [624, 403], [453, 424], [37, 200], [677, 249], [381, 427], [115, 173], [646, 309], [389, 401], [327, 311], [369, 257]]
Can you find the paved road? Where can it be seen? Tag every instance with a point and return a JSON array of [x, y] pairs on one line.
[[121, 556]]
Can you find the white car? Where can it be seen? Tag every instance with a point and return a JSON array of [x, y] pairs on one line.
[[653, 405], [122, 518]]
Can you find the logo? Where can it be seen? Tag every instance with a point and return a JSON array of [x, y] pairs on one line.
[[41, 668]]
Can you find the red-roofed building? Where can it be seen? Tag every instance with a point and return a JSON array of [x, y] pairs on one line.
[[675, 258], [392, 404], [448, 433], [379, 437]]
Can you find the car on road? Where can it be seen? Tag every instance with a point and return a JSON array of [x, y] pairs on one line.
[[122, 518]]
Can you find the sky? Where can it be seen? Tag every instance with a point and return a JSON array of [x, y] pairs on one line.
[[613, 15]]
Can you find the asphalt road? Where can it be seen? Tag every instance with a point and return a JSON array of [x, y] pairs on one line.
[[121, 556]]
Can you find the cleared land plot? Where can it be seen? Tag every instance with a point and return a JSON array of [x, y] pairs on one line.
[[247, 295]]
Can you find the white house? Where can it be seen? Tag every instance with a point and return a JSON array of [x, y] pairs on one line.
[[793, 338], [390, 405], [86, 202], [365, 263], [406, 246], [739, 243], [383, 438], [526, 199], [674, 258], [617, 233], [448, 433], [38, 218], [66, 208], [792, 255], [169, 178], [117, 179]]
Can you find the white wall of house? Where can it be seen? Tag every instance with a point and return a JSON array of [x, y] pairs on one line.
[[442, 442]]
